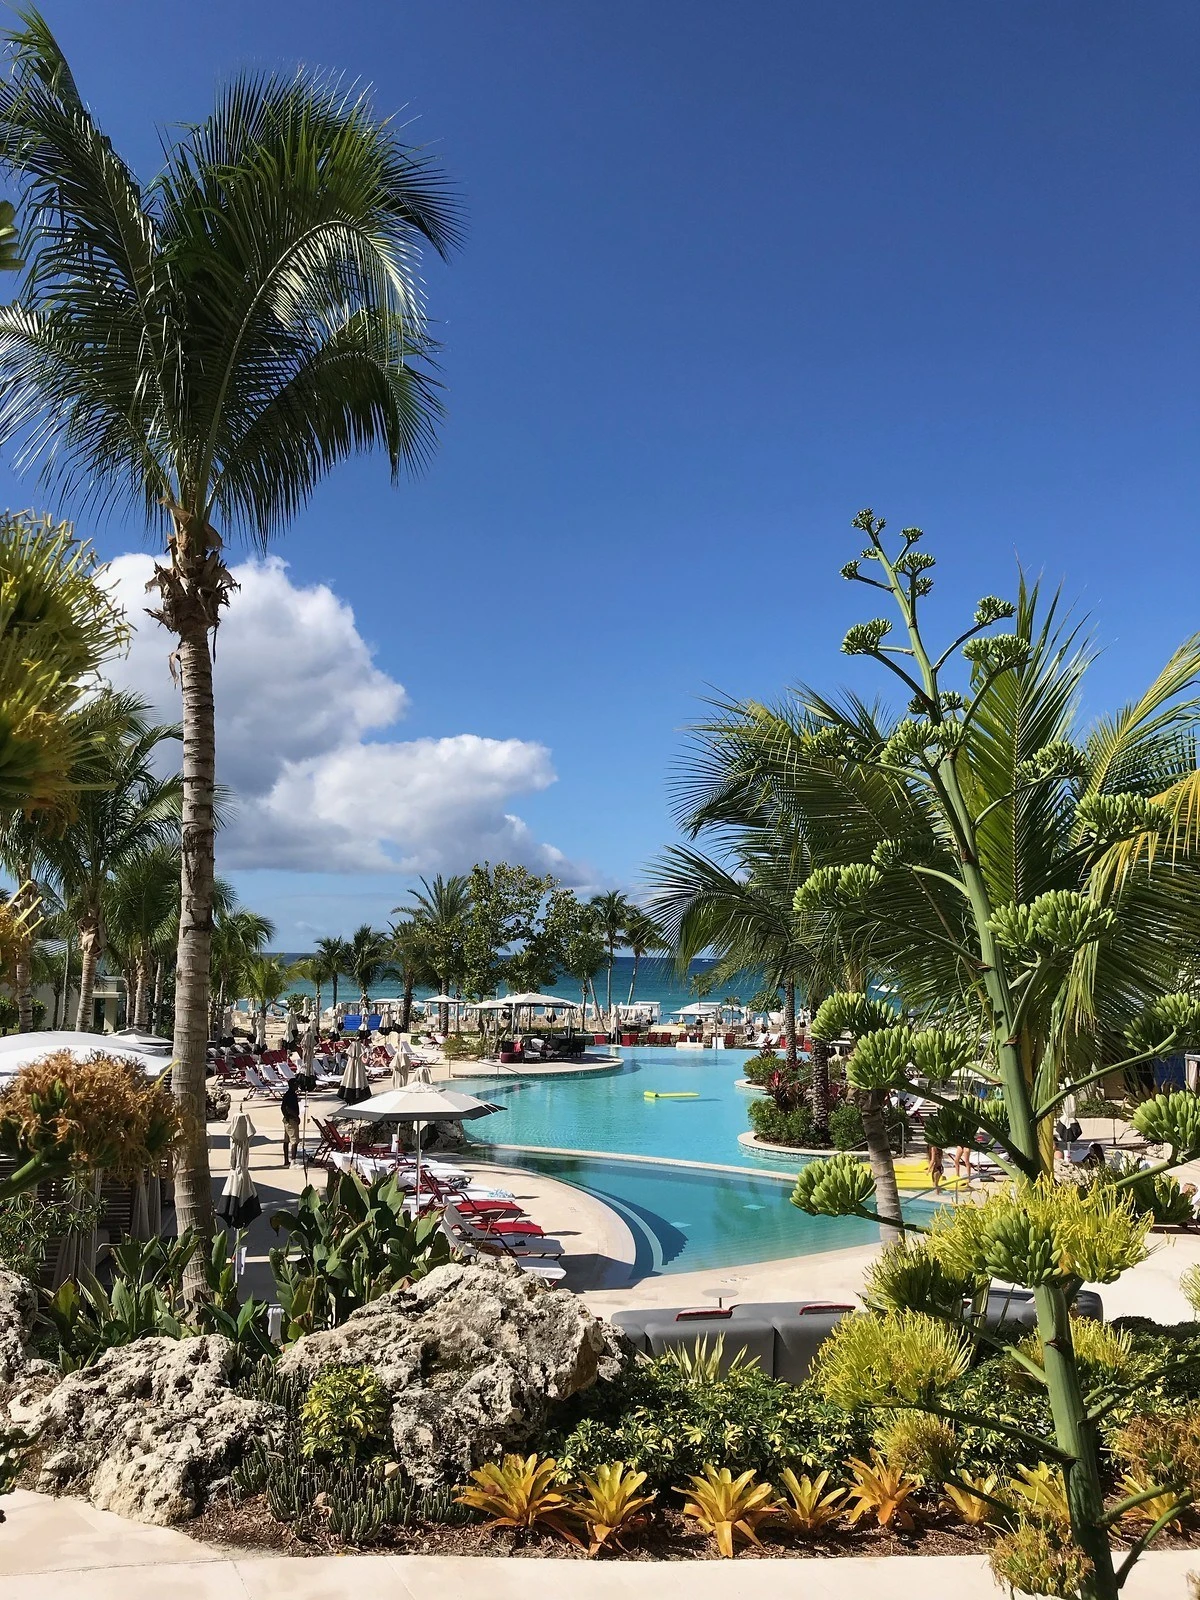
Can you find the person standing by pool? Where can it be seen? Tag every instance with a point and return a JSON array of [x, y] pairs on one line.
[[936, 1167]]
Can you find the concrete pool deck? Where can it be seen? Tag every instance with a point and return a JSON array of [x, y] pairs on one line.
[[70, 1550]]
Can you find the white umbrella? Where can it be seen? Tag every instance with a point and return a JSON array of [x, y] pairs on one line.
[[354, 1086], [19, 1049], [418, 1103], [239, 1203], [401, 1062]]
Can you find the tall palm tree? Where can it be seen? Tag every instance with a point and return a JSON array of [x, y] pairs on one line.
[[412, 957], [441, 908], [332, 959], [208, 347], [370, 960], [612, 911], [642, 938]]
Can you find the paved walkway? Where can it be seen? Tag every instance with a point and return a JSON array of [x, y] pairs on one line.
[[70, 1551]]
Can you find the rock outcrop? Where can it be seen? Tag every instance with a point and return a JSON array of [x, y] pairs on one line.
[[474, 1357], [147, 1430], [18, 1307]]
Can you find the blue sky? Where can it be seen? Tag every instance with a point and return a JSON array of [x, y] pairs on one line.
[[731, 272]]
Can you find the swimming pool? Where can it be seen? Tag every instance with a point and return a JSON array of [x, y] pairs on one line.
[[683, 1218]]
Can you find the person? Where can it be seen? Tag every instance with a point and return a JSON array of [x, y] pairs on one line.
[[289, 1108], [962, 1157], [1094, 1156], [936, 1167]]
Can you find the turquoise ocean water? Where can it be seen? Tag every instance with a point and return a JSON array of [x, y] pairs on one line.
[[656, 980]]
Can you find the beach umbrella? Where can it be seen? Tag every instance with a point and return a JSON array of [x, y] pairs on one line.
[[354, 1086], [401, 1062], [239, 1203], [419, 1102], [308, 1045]]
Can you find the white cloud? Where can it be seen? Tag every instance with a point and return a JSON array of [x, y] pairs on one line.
[[297, 689]]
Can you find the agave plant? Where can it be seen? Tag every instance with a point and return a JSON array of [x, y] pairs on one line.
[[881, 1491], [520, 1493], [610, 1506], [808, 1508], [729, 1508], [698, 1365]]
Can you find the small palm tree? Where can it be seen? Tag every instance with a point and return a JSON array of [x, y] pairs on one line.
[[331, 959], [207, 347], [612, 911], [265, 979], [370, 960], [239, 936], [642, 938], [141, 915], [412, 957]]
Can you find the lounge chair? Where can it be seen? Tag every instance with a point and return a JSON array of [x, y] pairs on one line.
[[470, 1233]]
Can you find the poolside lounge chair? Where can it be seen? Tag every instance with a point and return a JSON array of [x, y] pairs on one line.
[[465, 1231]]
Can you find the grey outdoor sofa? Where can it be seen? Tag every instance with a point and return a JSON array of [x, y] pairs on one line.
[[784, 1336]]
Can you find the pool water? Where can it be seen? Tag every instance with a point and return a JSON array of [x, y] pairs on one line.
[[683, 1218], [608, 1111]]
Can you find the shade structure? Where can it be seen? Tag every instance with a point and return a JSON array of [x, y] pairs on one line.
[[354, 1086], [441, 1000], [19, 1049], [418, 1102], [541, 1000], [308, 1045], [239, 1202]]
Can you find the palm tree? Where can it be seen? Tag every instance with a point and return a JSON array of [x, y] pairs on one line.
[[141, 915], [125, 811], [239, 935], [208, 347], [331, 959], [612, 911], [370, 960], [264, 979], [641, 938], [441, 908], [410, 952]]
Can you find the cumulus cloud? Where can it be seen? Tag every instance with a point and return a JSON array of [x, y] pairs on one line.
[[297, 692]]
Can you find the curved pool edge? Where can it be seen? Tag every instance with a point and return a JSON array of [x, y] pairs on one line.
[[624, 1155]]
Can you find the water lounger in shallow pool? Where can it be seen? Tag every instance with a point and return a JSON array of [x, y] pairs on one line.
[[670, 1094]]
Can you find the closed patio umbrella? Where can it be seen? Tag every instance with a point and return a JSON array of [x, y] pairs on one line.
[[354, 1086], [239, 1203]]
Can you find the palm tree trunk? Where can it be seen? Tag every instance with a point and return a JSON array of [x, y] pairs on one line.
[[23, 963], [140, 994], [406, 1006], [60, 1016], [191, 605], [883, 1170], [89, 959], [820, 1085], [159, 977], [789, 1025], [637, 956], [608, 984]]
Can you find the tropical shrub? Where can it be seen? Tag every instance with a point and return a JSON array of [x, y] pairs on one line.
[[347, 1248], [88, 1320], [881, 1490], [345, 1414], [656, 1420], [923, 1446], [973, 1498], [846, 1126], [809, 1507], [519, 1493], [759, 1068], [729, 1508], [461, 1047], [610, 1504], [775, 1126], [10, 1018], [1040, 1492]]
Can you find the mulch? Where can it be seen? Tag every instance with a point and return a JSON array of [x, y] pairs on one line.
[[669, 1537]]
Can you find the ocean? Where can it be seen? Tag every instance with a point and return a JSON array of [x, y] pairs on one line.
[[656, 980]]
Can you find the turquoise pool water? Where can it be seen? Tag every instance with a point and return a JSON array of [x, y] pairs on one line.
[[683, 1218], [607, 1111]]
